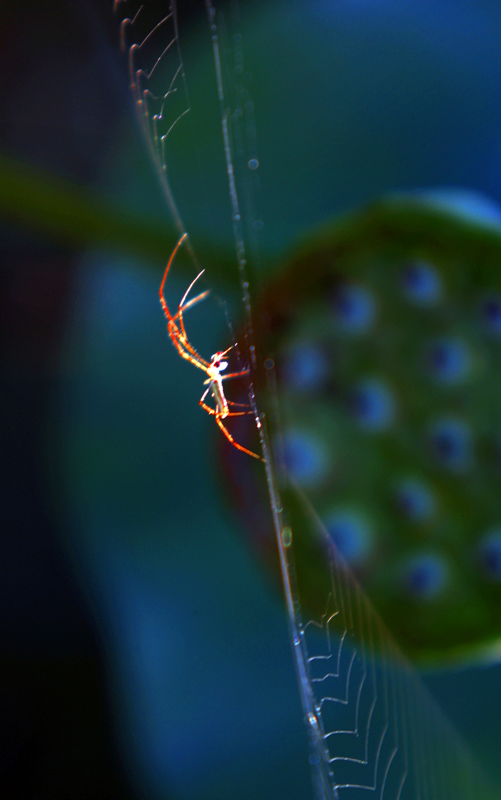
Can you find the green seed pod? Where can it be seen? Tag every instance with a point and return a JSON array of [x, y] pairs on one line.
[[384, 332]]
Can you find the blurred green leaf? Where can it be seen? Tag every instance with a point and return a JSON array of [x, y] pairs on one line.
[[74, 215]]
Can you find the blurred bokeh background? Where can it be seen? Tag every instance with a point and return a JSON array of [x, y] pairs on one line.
[[144, 653]]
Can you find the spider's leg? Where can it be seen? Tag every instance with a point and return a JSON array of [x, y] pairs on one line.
[[181, 335], [189, 349], [178, 335], [180, 346], [217, 414], [193, 302], [228, 350], [169, 264], [232, 440], [201, 401], [235, 374], [182, 304], [242, 405]]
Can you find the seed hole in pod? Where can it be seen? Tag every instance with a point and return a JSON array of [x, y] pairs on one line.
[[491, 313], [306, 457], [373, 405], [449, 360], [351, 534], [490, 554], [415, 500], [304, 367], [421, 283], [354, 309], [425, 576], [450, 442]]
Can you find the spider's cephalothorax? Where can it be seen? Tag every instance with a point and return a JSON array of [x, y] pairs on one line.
[[212, 368], [217, 361]]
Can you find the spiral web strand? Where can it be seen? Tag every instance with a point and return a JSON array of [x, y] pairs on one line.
[[151, 42], [374, 730], [382, 735]]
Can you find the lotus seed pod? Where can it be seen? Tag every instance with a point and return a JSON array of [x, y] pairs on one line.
[[383, 334]]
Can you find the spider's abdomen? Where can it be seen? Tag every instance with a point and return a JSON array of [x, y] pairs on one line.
[[218, 395]]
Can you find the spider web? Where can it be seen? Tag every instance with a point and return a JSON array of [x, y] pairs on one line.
[[152, 45], [373, 728]]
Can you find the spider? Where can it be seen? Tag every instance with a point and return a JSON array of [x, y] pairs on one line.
[[212, 368]]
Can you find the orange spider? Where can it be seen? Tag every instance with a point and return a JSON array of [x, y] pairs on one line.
[[212, 368]]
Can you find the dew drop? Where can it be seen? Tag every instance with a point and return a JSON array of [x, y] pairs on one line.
[[258, 224], [312, 720], [253, 163]]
